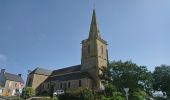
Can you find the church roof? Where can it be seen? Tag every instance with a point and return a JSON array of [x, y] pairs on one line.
[[66, 70], [71, 76], [13, 77], [41, 71]]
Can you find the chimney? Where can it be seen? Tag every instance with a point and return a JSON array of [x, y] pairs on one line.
[[3, 71], [19, 75]]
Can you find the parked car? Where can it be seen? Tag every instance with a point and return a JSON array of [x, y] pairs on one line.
[[160, 94], [58, 92]]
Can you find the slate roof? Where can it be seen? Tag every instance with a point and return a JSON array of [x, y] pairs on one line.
[[13, 77], [71, 69], [41, 71], [71, 76]]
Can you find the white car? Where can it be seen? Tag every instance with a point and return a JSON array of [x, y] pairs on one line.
[[159, 94], [58, 92]]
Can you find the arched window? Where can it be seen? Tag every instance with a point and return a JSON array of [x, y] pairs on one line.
[[88, 49], [61, 85], [101, 50], [79, 83], [68, 84]]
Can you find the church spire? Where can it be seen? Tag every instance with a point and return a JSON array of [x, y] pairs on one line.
[[94, 29]]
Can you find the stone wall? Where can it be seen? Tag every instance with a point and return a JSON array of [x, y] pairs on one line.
[[74, 85], [37, 80]]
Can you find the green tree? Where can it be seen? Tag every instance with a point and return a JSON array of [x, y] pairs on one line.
[[161, 76], [28, 92], [127, 74]]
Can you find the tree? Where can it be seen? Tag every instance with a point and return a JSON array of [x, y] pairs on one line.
[[127, 74], [161, 76], [28, 92]]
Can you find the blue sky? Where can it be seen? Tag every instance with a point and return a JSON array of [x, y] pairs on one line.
[[48, 33]]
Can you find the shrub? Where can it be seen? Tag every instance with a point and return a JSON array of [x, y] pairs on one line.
[[117, 98], [28, 92], [139, 95], [83, 94], [109, 89]]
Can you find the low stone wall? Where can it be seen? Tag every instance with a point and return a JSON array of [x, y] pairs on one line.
[[8, 98]]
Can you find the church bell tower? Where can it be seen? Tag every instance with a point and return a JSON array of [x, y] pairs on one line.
[[94, 51]]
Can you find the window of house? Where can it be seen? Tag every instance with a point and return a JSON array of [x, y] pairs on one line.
[[68, 84], [1, 91], [15, 84], [79, 83]]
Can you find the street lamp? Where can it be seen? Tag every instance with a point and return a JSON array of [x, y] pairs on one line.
[[127, 92]]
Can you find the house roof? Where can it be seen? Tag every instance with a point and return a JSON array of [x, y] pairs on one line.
[[41, 71], [71, 76], [13, 77], [71, 69]]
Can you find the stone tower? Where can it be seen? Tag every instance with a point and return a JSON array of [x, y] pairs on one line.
[[94, 52]]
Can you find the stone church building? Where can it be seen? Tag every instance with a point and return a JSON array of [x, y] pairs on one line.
[[94, 56]]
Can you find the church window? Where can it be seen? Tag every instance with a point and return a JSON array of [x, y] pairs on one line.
[[48, 86], [61, 85], [68, 84], [88, 49], [65, 85], [102, 50], [42, 85], [79, 83]]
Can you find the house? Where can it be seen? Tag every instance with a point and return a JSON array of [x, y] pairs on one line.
[[10, 84], [94, 56]]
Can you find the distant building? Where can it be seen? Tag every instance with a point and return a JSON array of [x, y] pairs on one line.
[[94, 57], [10, 84]]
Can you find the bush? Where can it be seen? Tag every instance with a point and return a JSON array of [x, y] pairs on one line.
[[117, 98], [86, 94], [83, 94], [139, 95], [109, 89], [103, 98], [28, 92]]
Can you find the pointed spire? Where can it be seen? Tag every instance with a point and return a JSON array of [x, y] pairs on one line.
[[94, 29]]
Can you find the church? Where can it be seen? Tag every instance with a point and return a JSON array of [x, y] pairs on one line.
[[94, 56]]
